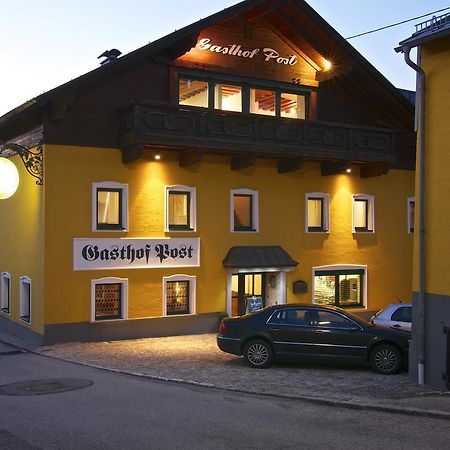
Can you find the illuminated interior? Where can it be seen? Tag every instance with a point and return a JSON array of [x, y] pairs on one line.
[[228, 97]]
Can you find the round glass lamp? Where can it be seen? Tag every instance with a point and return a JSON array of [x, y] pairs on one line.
[[9, 178]]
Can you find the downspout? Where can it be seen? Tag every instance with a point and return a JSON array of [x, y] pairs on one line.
[[421, 238]]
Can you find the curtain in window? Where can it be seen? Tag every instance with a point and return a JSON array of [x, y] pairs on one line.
[[315, 213], [178, 208], [360, 213], [242, 211], [108, 207]]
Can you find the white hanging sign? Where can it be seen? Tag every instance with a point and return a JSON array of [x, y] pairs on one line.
[[137, 253]]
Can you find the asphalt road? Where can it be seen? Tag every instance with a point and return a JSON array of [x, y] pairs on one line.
[[124, 412]]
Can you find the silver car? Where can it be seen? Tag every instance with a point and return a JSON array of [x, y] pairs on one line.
[[397, 316]]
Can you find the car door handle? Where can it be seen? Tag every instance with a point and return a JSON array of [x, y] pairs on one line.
[[274, 329], [396, 326], [319, 331]]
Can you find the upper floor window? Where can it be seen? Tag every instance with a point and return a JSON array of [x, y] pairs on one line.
[[317, 212], [209, 93], [244, 210], [110, 210], [193, 92], [228, 97], [411, 208], [5, 292], [363, 213], [180, 208]]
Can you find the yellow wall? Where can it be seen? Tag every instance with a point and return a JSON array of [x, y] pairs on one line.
[[71, 172], [435, 62], [22, 245]]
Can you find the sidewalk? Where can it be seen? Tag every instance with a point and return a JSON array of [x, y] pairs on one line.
[[197, 360]]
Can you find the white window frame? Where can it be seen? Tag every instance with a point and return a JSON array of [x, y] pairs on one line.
[[123, 300], [337, 268], [255, 209], [5, 294], [124, 199], [408, 210], [192, 207], [370, 212], [326, 211], [25, 302], [192, 293]]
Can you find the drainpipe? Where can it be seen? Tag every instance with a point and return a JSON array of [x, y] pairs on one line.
[[421, 238]]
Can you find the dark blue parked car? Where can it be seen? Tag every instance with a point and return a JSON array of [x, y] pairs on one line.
[[297, 331]]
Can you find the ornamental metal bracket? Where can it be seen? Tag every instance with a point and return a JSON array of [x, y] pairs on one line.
[[33, 160]]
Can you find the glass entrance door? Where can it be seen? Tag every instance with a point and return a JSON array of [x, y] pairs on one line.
[[247, 292]]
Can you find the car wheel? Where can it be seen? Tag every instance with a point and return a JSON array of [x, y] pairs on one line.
[[258, 354], [385, 359]]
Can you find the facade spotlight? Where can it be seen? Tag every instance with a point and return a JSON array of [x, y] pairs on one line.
[[157, 156]]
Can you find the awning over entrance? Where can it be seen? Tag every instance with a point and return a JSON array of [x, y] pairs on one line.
[[258, 256]]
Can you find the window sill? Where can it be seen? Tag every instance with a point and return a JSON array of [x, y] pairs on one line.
[[24, 320], [6, 312]]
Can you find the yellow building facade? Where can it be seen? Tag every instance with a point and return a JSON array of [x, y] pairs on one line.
[[160, 217], [430, 353]]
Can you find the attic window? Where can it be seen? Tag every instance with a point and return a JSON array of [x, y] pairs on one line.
[[193, 92]]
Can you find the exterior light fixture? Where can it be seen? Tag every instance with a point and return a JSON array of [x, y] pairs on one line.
[[327, 65], [9, 178], [32, 160], [157, 156], [348, 170]]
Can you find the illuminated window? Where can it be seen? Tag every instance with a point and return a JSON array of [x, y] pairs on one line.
[[193, 92], [25, 299], [262, 102], [411, 208], [244, 210], [180, 208], [179, 295], [363, 214], [293, 106], [228, 97], [5, 292], [340, 287], [109, 299], [317, 212], [110, 211]]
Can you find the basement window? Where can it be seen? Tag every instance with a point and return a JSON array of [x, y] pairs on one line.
[[5, 292], [25, 299], [179, 295]]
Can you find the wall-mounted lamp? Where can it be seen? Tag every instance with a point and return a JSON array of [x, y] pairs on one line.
[[157, 156], [335, 168], [32, 160], [327, 65], [9, 178]]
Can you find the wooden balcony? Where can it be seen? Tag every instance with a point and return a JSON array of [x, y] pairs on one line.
[[193, 129]]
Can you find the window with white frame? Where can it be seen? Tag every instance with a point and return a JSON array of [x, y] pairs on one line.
[[25, 299], [180, 208], [109, 206], [244, 210], [179, 295], [363, 213], [343, 286], [109, 299], [411, 208], [317, 212], [5, 292]]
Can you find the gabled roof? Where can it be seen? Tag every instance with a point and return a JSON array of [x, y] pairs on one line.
[[320, 34]]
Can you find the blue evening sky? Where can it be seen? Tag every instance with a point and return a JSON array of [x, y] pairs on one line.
[[48, 42]]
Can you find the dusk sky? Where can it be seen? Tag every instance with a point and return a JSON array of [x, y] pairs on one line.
[[44, 44]]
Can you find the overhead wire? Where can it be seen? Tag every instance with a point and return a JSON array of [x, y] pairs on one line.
[[396, 24]]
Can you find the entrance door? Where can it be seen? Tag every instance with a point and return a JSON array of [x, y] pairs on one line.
[[247, 292]]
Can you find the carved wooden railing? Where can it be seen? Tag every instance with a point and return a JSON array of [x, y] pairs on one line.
[[182, 127]]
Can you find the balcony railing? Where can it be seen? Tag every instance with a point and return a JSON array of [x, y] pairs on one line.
[[180, 127], [433, 24]]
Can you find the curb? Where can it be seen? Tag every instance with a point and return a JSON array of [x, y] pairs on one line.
[[350, 404]]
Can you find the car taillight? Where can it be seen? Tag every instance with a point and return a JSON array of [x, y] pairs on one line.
[[223, 328]]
